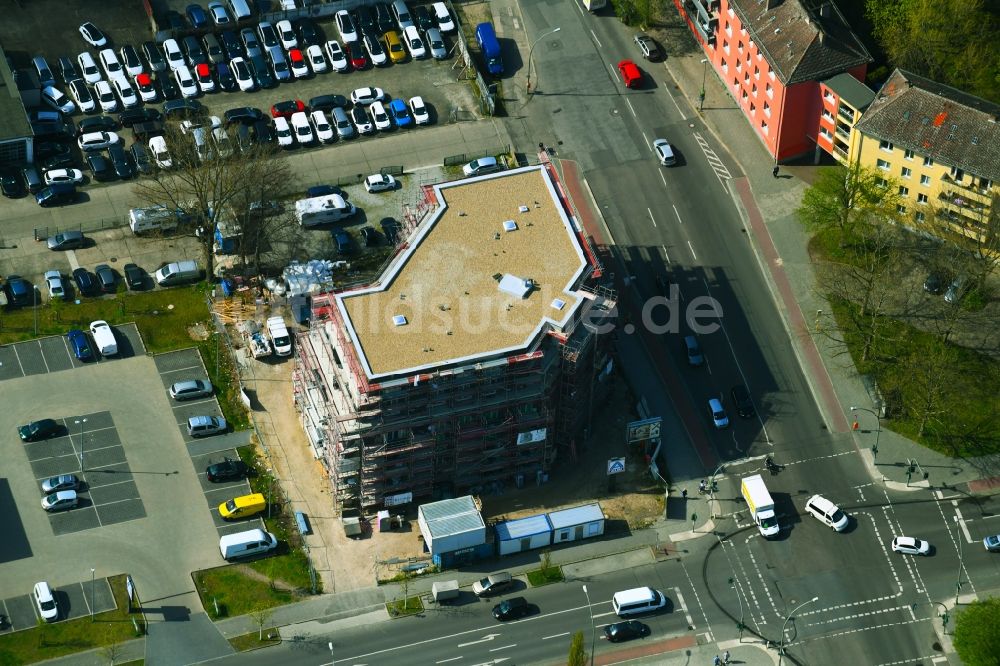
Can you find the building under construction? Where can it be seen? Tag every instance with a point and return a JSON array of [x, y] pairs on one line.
[[474, 361]]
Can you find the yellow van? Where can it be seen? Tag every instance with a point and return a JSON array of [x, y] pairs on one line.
[[394, 46], [242, 507]]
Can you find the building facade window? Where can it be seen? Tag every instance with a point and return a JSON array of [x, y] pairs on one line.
[[763, 126], [825, 133], [906, 173], [925, 181], [922, 198], [729, 30], [746, 78], [928, 161], [882, 164], [753, 107], [753, 90], [920, 216], [756, 72], [985, 184], [739, 46], [725, 46], [907, 154], [827, 115], [901, 209], [885, 146], [904, 191], [769, 90], [767, 109], [957, 174]]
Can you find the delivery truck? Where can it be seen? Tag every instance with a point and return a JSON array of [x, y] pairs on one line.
[[486, 36], [761, 505], [445, 590]]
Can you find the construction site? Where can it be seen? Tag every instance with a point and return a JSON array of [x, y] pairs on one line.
[[472, 363]]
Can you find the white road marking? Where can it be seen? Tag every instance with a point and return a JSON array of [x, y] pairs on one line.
[[651, 216], [73, 263], [662, 177], [644, 137], [488, 638], [614, 72], [603, 614], [565, 633], [678, 214], [594, 34], [445, 661], [691, 247], [630, 108], [721, 172], [698, 599], [665, 255], [683, 605], [505, 647], [965, 528]]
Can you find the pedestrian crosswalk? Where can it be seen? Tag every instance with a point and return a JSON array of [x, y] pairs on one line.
[[721, 172]]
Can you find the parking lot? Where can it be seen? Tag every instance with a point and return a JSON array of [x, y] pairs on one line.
[[76, 599], [146, 506]]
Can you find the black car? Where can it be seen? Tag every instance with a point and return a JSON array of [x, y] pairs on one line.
[[84, 281], [512, 608], [61, 161], [742, 401], [135, 277], [390, 229], [327, 102], [46, 149], [173, 20], [143, 115], [231, 44], [321, 191], [154, 56], [168, 86], [54, 131], [106, 278], [11, 185], [309, 33], [423, 19], [68, 70], [101, 167], [365, 20], [183, 108], [97, 124], [263, 132], [123, 166], [20, 291], [36, 430], [383, 17], [627, 630], [261, 72], [246, 115], [934, 283], [227, 470], [225, 77], [141, 157], [369, 236], [146, 131], [56, 195], [194, 51]]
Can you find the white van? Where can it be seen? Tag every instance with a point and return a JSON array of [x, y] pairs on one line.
[[177, 272], [246, 544], [637, 600], [154, 218], [241, 10], [279, 336], [104, 337]]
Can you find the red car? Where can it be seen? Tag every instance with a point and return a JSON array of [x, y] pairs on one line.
[[287, 108], [630, 73], [356, 54]]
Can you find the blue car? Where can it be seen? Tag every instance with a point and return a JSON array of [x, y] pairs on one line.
[[197, 16], [80, 344], [400, 113], [321, 191]]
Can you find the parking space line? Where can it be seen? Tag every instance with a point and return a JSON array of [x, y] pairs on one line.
[[651, 216], [41, 352], [18, 357], [69, 354], [185, 369], [630, 108]]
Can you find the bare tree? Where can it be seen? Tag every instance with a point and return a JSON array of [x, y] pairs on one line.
[[113, 648], [205, 183], [261, 616]]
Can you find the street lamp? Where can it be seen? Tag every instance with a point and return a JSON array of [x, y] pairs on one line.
[[91, 594], [878, 431], [704, 75], [781, 647], [593, 629], [530, 50], [80, 423], [958, 537]]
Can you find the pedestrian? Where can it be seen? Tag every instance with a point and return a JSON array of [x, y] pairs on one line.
[[726, 657], [716, 661], [541, 147], [684, 494], [774, 171], [701, 486]]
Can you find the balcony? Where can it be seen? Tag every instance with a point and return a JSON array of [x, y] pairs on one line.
[[969, 186], [960, 203], [845, 114]]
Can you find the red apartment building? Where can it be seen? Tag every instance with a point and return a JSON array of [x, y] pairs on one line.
[[773, 56]]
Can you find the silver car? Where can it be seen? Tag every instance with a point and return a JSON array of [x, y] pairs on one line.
[[189, 389], [60, 483], [60, 501]]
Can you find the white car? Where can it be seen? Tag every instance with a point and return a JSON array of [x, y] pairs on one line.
[[284, 133], [93, 35], [144, 84], [420, 114], [444, 20], [186, 82], [719, 417], [97, 140], [827, 513], [241, 72], [175, 57], [81, 94], [379, 116], [910, 546], [435, 43], [375, 51], [57, 100], [324, 132], [57, 176], [125, 93], [219, 14], [286, 35], [112, 66], [158, 147], [45, 602], [361, 120], [88, 68], [380, 182], [203, 74], [130, 60], [302, 128], [223, 144], [53, 280], [316, 58], [297, 63], [366, 96], [345, 26], [335, 54], [414, 43], [105, 97]]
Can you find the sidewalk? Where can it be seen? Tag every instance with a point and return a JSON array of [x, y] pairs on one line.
[[780, 243]]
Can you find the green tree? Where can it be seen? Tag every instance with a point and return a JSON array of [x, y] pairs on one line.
[[976, 638], [577, 652], [842, 198]]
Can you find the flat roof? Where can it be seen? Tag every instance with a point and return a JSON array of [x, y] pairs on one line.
[[523, 527], [451, 516], [577, 515], [494, 231]]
